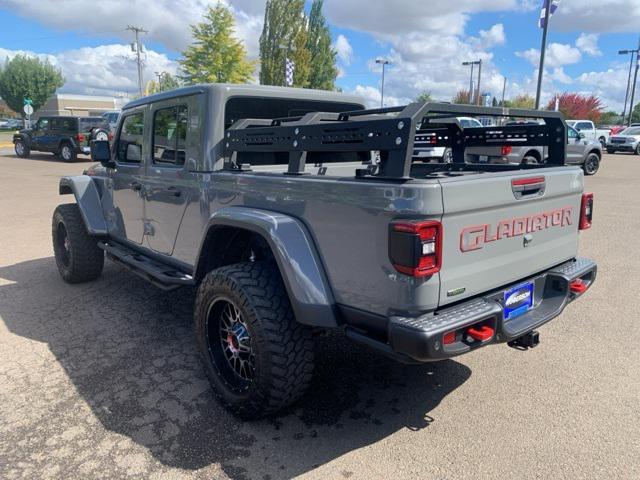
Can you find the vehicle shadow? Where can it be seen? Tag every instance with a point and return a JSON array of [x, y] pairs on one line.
[[128, 350], [48, 157]]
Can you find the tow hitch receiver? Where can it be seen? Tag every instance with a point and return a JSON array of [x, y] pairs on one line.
[[528, 340]]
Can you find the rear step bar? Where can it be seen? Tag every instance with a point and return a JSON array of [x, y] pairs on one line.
[[161, 275]]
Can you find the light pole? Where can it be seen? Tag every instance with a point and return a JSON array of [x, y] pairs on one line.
[[471, 92], [159, 75], [384, 63], [626, 95]]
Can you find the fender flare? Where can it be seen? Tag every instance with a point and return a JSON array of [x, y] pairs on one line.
[[88, 200], [295, 253]]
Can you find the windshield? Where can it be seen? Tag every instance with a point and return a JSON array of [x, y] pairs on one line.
[[630, 131]]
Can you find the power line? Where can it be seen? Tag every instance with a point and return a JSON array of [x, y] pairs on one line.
[[137, 31]]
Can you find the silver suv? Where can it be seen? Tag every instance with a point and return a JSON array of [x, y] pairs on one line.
[[580, 151], [627, 140]]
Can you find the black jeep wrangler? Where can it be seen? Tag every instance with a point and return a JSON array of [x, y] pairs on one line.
[[62, 136]]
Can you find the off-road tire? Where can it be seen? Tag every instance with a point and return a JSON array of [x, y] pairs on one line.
[[591, 164], [67, 153], [447, 156], [82, 260], [99, 134], [637, 152], [21, 149], [282, 347]]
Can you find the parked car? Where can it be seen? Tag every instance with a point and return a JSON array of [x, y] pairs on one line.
[[14, 123], [590, 131], [268, 201], [615, 129], [580, 151], [424, 151], [111, 118], [63, 136], [627, 140]]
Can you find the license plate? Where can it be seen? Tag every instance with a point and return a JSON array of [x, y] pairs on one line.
[[483, 158], [518, 300]]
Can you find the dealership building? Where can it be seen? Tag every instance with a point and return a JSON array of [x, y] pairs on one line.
[[77, 105]]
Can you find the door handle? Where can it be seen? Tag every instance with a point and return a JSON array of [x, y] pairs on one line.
[[174, 191], [135, 186]]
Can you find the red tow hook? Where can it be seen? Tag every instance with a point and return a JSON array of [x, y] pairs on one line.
[[578, 286], [481, 334]]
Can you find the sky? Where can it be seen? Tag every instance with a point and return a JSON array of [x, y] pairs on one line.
[[425, 41]]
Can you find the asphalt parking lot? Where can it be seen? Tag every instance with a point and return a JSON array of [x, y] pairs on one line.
[[102, 380]]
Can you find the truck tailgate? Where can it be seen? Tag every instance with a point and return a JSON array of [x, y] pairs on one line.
[[499, 228]]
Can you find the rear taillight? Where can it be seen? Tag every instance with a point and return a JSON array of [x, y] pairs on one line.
[[586, 211], [80, 137], [506, 150], [415, 247], [110, 136]]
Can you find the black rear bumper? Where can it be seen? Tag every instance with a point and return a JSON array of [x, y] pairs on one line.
[[421, 339]]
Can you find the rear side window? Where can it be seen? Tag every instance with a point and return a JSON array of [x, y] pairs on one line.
[[170, 135], [87, 124], [63, 124], [130, 141]]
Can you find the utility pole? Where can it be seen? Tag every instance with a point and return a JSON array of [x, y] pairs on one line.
[[478, 99], [384, 63], [626, 95], [471, 83], [633, 89], [504, 90], [138, 48], [543, 48]]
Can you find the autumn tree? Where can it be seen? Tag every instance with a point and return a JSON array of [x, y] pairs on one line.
[[574, 105], [462, 97], [28, 77], [216, 55]]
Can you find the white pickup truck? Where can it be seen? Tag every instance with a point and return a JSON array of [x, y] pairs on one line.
[[590, 131]]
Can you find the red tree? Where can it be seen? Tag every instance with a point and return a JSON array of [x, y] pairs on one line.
[[574, 105]]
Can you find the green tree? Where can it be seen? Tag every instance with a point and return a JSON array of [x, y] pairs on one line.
[[424, 97], [216, 56], [284, 35], [521, 101], [610, 118], [28, 77], [323, 71], [635, 115]]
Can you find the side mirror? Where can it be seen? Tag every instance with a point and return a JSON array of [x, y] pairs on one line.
[[101, 152], [581, 135]]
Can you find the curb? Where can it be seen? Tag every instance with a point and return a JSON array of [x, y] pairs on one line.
[[6, 144]]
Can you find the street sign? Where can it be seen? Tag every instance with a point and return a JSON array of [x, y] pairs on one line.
[[28, 109]]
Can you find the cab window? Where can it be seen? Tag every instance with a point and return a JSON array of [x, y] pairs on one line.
[[572, 133], [43, 124], [170, 135], [130, 141]]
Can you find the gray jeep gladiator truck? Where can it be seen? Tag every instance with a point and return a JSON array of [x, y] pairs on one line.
[[292, 211]]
